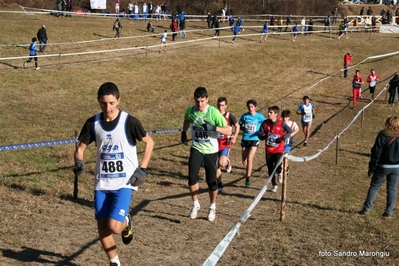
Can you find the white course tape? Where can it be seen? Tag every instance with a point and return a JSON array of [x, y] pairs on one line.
[[220, 249], [222, 246]]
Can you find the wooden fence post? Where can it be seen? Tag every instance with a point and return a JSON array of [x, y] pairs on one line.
[[361, 122], [284, 189], [336, 151], [75, 183]]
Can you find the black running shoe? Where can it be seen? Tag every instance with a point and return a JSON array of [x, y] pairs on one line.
[[127, 233], [113, 264]]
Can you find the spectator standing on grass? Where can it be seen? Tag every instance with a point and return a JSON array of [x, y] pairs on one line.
[[145, 11], [295, 32], [384, 163], [150, 9], [393, 85], [280, 23], [357, 82], [117, 172], [42, 37], [174, 27], [206, 122], [274, 131], [33, 53], [288, 23], [236, 30], [334, 15], [225, 141], [214, 20], [181, 16], [165, 11], [250, 123], [69, 6], [223, 15], [372, 80], [117, 8], [217, 28], [158, 11], [164, 37], [117, 27], [307, 112], [130, 10], [265, 32], [369, 11], [209, 20], [310, 27], [59, 7], [136, 12], [356, 24], [272, 22], [347, 61], [303, 25], [374, 24], [182, 27], [327, 24]]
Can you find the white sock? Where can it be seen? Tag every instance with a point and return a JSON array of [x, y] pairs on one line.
[[196, 202], [116, 260], [212, 206], [127, 219]]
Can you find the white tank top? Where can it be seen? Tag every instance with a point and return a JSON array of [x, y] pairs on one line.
[[116, 156]]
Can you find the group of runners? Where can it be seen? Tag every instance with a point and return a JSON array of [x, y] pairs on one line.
[[214, 130], [118, 171]]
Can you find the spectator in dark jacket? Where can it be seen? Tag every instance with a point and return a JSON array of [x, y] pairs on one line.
[[42, 37], [174, 27], [209, 20], [117, 26], [69, 5], [150, 27], [393, 85], [384, 162]]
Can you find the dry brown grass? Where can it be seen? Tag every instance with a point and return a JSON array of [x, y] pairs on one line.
[[41, 224]]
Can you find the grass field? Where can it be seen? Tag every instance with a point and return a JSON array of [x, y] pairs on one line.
[[42, 224]]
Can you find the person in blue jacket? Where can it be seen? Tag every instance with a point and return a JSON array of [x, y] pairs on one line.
[[33, 53], [250, 123], [236, 30], [294, 32]]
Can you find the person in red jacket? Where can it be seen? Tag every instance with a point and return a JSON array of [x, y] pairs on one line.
[[274, 131], [174, 28], [347, 62]]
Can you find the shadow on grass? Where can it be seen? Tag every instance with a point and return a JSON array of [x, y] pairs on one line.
[[322, 208], [102, 36], [32, 255], [358, 153]]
